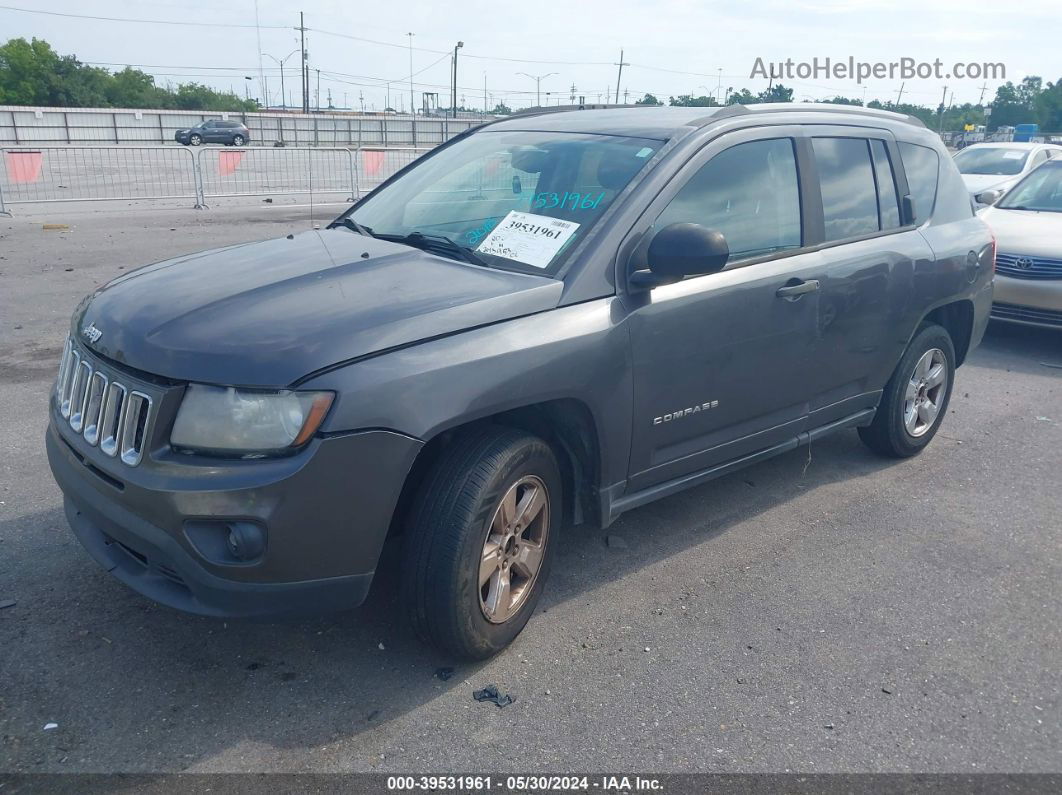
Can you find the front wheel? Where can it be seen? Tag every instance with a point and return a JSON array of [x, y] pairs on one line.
[[195, 140], [916, 397], [479, 542]]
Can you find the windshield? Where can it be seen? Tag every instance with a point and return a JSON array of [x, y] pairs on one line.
[[1041, 190], [991, 160], [518, 200]]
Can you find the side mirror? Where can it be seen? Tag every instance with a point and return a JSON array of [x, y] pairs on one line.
[[682, 250], [988, 196]]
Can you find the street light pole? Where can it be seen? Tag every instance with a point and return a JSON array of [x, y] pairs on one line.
[[281, 61], [453, 103], [538, 85]]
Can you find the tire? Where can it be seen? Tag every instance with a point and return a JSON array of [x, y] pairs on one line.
[[914, 402], [195, 140], [460, 551], [238, 140]]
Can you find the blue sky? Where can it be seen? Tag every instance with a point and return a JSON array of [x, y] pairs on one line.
[[673, 46]]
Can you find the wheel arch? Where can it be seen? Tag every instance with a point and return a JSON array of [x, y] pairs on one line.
[[957, 318], [566, 424]]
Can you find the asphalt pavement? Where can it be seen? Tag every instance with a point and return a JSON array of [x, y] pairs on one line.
[[824, 611]]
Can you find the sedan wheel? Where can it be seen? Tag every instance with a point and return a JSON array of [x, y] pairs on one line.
[[237, 140], [195, 140]]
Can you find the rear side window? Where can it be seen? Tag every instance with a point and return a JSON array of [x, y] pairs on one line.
[[750, 193], [849, 193], [888, 201], [920, 164]]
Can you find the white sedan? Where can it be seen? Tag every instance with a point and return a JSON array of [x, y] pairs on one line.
[[1027, 223], [998, 166]]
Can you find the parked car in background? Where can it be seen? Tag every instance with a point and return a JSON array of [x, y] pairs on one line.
[[997, 166], [1027, 222], [547, 322], [214, 131]]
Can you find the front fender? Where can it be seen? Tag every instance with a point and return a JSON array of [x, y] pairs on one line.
[[577, 352]]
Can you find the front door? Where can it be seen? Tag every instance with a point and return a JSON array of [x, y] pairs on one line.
[[720, 361]]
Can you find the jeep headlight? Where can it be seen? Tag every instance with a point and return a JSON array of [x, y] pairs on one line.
[[226, 420]]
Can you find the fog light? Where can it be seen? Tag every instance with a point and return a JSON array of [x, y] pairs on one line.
[[246, 541]]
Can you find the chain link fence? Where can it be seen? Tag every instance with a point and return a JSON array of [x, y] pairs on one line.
[[132, 173]]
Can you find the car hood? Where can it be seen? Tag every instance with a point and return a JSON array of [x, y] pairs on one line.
[[1035, 234], [268, 313], [975, 183]]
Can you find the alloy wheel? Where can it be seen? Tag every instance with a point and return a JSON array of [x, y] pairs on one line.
[[514, 549], [925, 392]]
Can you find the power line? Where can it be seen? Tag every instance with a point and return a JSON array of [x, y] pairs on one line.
[[142, 21]]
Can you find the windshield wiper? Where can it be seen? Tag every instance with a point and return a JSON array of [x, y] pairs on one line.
[[430, 242], [352, 225]]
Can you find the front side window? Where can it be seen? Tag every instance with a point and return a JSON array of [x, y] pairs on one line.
[[517, 200], [996, 160], [849, 192], [749, 193]]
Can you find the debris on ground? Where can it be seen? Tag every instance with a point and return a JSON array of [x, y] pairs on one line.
[[443, 674], [616, 542], [55, 227], [381, 647], [886, 691], [490, 693], [7, 603], [49, 726], [828, 726]]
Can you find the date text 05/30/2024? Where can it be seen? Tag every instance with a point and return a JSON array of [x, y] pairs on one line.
[[467, 783]]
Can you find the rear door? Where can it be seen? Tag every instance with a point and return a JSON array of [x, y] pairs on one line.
[[719, 360], [869, 255]]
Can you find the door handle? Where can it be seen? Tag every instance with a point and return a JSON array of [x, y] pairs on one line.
[[791, 292]]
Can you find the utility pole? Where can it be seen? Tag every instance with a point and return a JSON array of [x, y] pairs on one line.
[[361, 99], [412, 107], [262, 83], [571, 98], [453, 103], [317, 94], [984, 88], [303, 75], [619, 76], [899, 94], [484, 93], [719, 87], [943, 99]]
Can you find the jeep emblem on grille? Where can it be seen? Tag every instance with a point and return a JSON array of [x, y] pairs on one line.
[[91, 333], [1024, 263]]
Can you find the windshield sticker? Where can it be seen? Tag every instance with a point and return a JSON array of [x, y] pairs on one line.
[[473, 236], [568, 200], [644, 152], [528, 238]]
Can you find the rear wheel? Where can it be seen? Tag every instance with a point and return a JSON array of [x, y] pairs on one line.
[[238, 140], [479, 543], [916, 397]]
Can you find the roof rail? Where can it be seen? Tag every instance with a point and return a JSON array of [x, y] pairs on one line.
[[542, 109], [824, 107]]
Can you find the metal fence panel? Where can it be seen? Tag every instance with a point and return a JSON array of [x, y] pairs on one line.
[[96, 173], [255, 171]]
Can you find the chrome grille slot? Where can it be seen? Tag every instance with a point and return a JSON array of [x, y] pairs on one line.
[[111, 418], [79, 395], [64, 361], [134, 428], [97, 390], [102, 410], [68, 383]]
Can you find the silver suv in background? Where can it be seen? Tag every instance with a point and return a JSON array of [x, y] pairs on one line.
[[998, 166]]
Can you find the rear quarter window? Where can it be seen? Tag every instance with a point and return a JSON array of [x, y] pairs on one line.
[[922, 165]]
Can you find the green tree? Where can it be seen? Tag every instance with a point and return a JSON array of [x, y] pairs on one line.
[[32, 73], [648, 99], [501, 109], [688, 101]]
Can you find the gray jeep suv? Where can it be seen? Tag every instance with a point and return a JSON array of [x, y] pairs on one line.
[[546, 322]]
